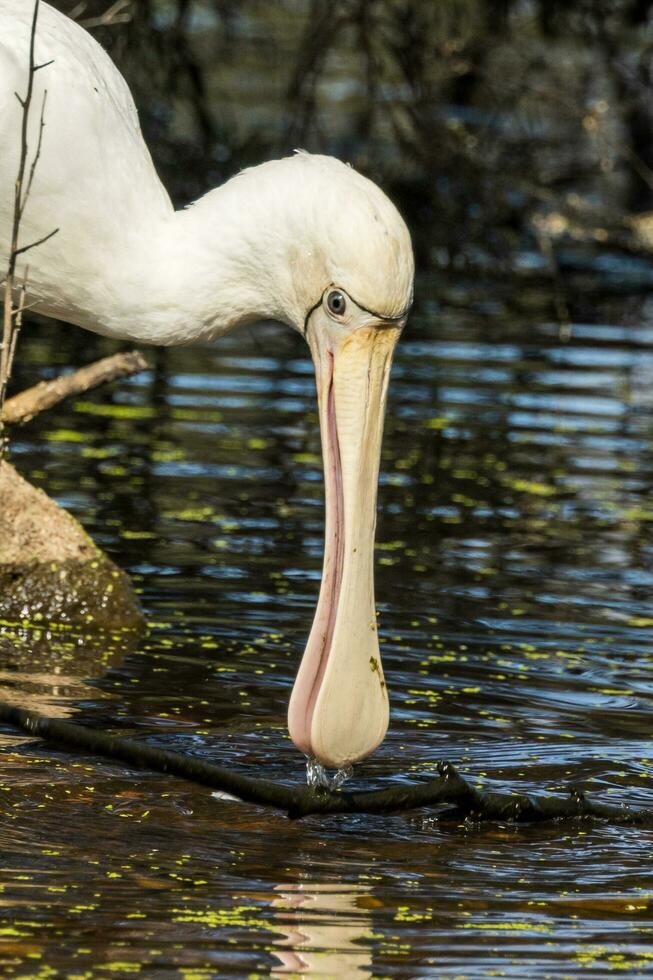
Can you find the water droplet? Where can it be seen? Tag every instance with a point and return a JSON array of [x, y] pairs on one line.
[[317, 776]]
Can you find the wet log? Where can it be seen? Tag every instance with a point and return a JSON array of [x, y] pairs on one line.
[[450, 788]]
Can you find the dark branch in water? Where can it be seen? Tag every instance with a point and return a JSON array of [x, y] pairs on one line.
[[449, 788]]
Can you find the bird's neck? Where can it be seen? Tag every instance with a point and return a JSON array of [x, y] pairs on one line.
[[175, 282], [186, 276]]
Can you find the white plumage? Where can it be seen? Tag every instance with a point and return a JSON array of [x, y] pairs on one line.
[[304, 240], [124, 263]]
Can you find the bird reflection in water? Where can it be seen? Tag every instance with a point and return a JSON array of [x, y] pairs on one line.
[[325, 930]]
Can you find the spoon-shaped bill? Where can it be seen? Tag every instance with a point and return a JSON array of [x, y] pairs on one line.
[[339, 706]]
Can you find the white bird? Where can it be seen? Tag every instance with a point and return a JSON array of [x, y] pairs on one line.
[[304, 240]]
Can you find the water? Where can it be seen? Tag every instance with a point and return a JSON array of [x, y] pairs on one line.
[[319, 778], [515, 548]]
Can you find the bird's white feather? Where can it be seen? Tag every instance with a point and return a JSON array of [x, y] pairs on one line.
[[124, 263], [95, 180]]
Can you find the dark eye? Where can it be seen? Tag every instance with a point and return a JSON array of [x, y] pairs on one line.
[[336, 303]]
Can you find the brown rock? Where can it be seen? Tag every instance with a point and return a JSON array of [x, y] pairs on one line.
[[50, 570]]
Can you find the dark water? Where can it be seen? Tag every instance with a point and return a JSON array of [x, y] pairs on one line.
[[515, 566]]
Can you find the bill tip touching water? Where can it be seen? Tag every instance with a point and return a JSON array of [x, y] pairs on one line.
[[305, 240]]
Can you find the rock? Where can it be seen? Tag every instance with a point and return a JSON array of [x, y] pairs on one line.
[[50, 570]]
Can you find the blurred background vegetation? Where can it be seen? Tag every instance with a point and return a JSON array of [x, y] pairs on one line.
[[514, 134]]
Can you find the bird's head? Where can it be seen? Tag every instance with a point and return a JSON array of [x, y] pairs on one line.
[[323, 249], [349, 283], [312, 225]]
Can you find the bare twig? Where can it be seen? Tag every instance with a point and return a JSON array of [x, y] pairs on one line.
[[39, 143], [301, 801], [24, 406], [559, 299], [118, 13], [17, 326], [12, 311], [39, 241]]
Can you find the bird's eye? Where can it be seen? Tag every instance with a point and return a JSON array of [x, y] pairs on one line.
[[336, 303]]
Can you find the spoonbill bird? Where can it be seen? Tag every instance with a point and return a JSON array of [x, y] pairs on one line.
[[305, 240]]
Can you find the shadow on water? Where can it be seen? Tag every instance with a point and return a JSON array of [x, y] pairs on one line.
[[514, 578]]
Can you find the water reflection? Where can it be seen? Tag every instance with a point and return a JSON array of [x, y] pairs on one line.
[[50, 669], [325, 928], [515, 549]]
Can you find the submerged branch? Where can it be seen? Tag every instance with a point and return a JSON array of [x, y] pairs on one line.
[[24, 406], [449, 788]]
